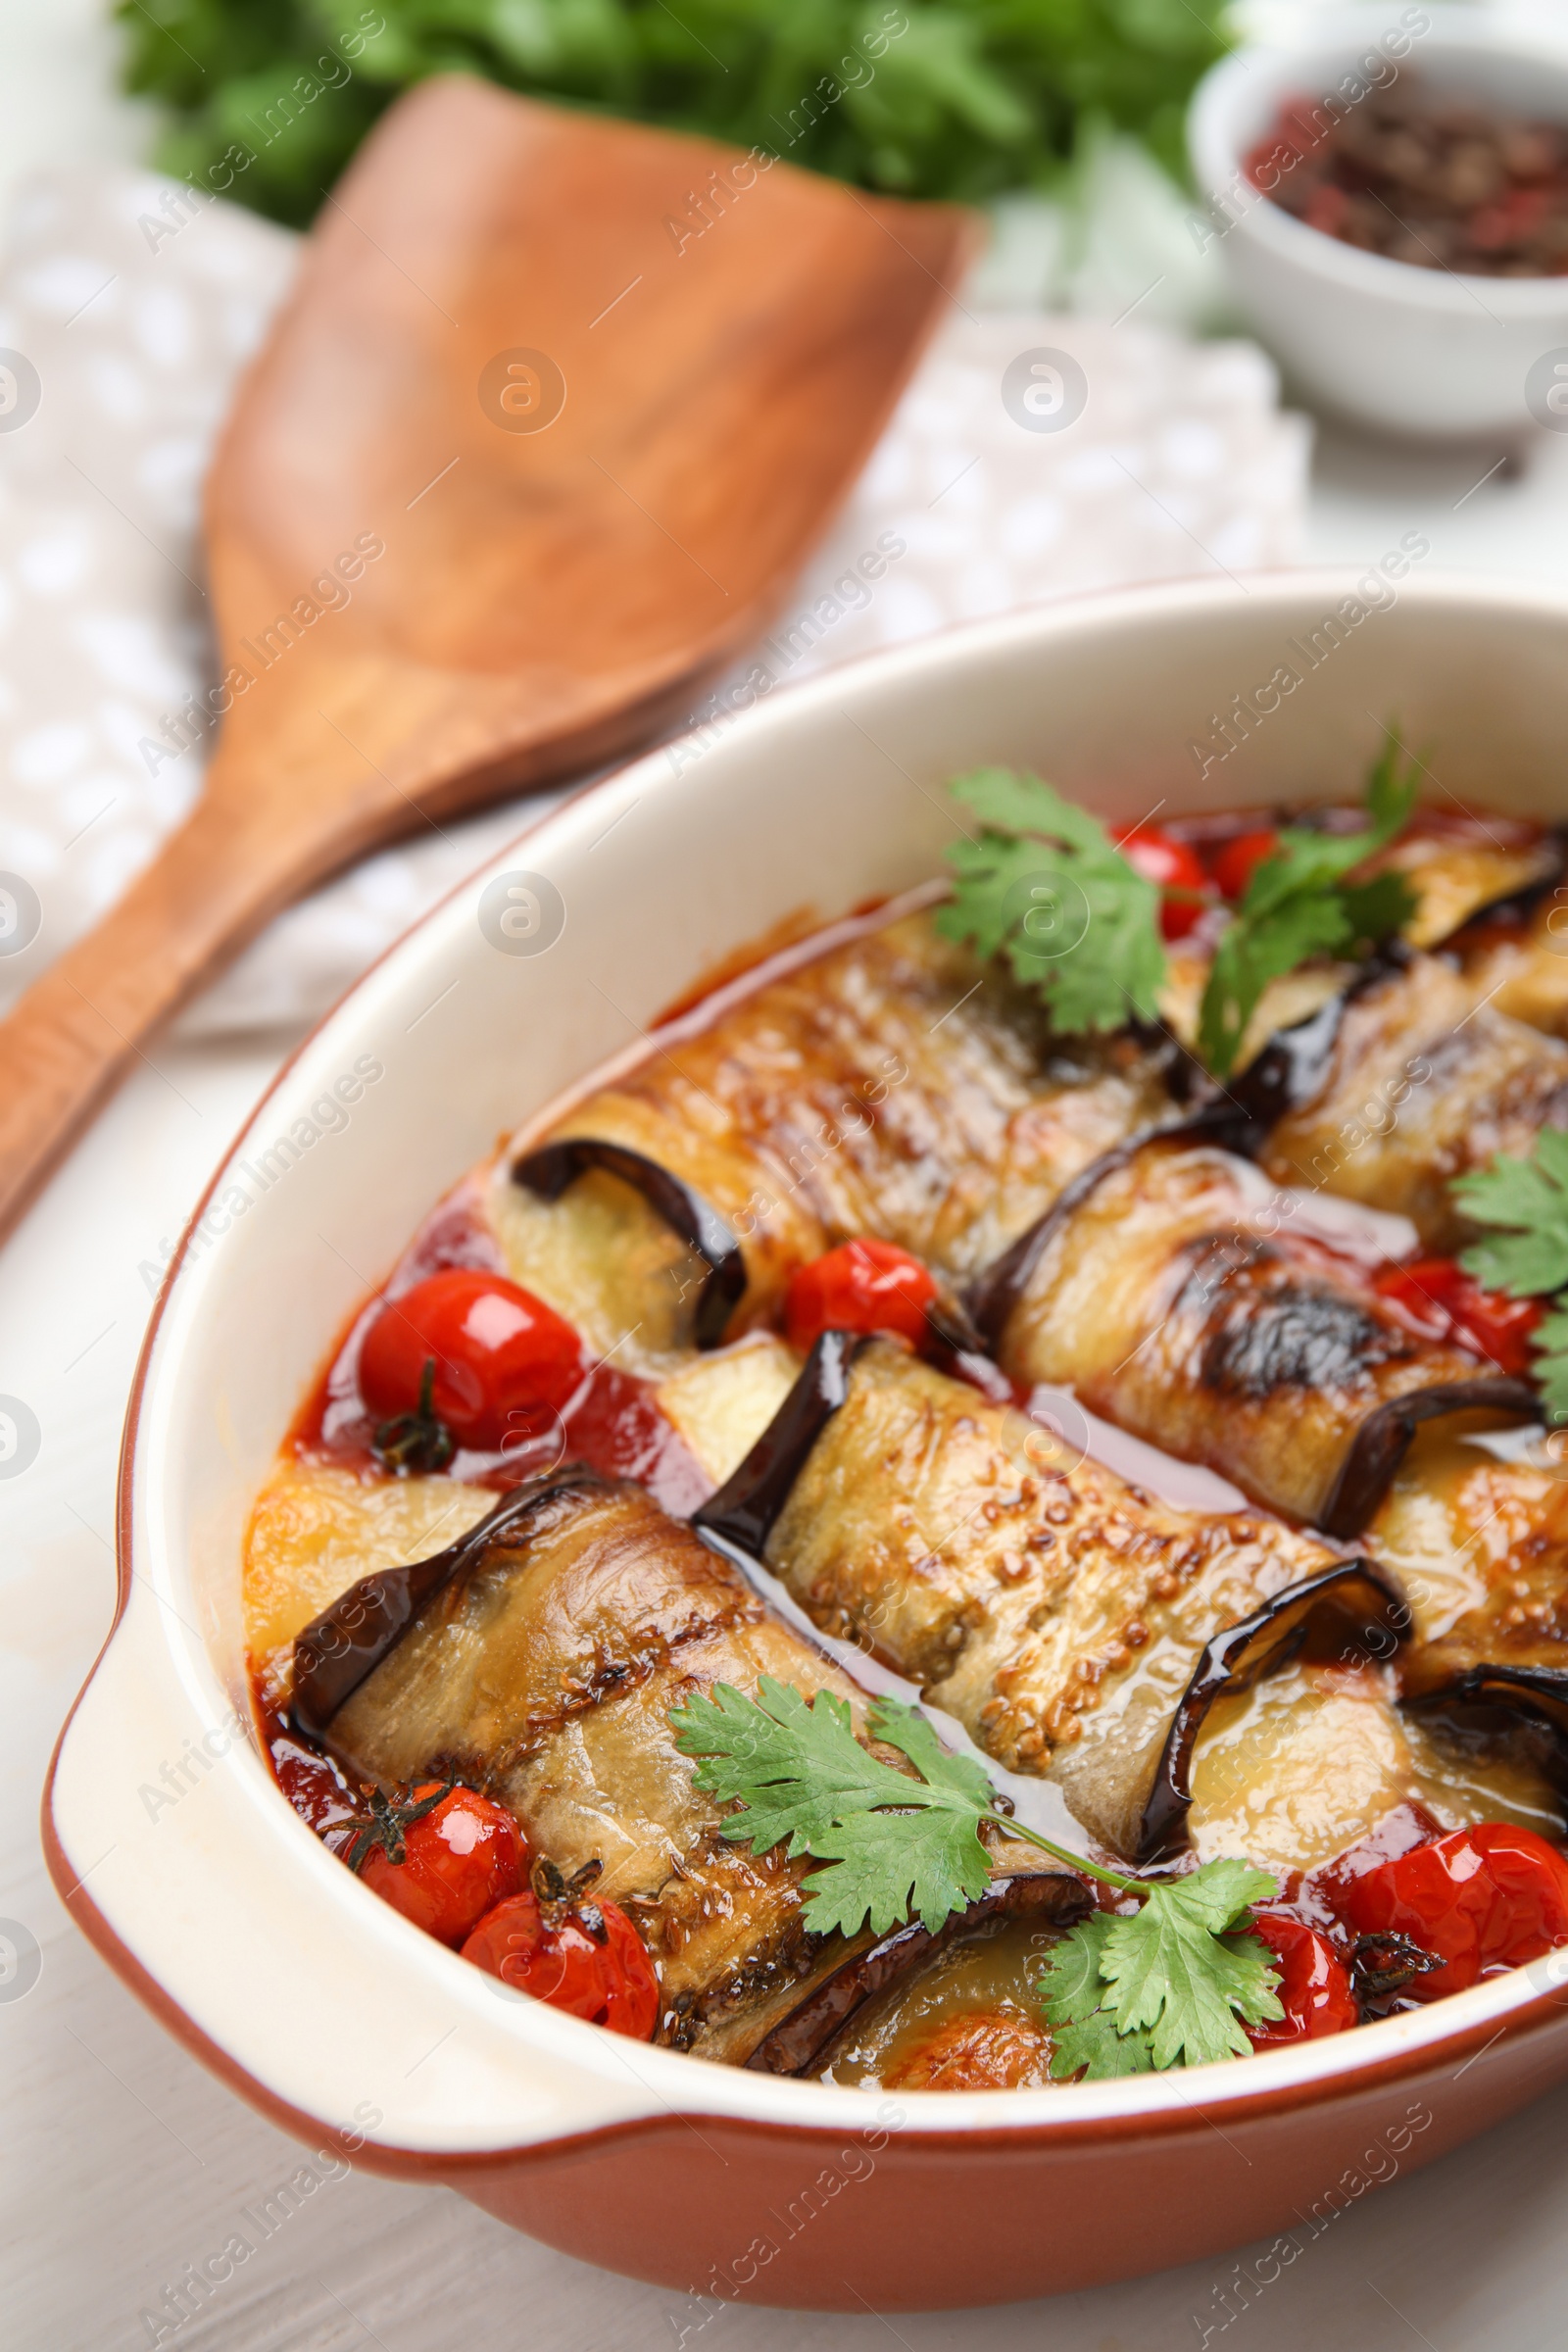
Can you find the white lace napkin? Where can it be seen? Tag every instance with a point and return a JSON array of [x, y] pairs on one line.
[[1004, 478]]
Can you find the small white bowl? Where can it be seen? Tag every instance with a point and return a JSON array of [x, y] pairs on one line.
[[1425, 354]]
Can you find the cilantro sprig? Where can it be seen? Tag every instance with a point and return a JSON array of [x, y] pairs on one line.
[[1299, 903], [1524, 1204], [1046, 886], [1169, 1985]]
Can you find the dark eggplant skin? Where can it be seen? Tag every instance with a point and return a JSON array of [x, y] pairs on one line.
[[549, 1170], [1058, 1618], [1384, 1438], [1519, 1707], [338, 1649], [1374, 1621], [1295, 1067], [743, 1510], [1175, 1301]]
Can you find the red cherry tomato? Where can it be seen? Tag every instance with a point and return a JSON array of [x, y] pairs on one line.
[[460, 1859], [611, 1984], [1449, 1304], [1233, 866], [1151, 852], [503, 1360], [861, 1286], [1315, 1987], [1480, 1899]]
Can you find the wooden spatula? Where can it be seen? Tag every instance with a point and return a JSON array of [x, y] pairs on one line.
[[553, 418]]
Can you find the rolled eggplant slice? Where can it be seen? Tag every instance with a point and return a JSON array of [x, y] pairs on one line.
[[1412, 1081], [549, 1169], [1056, 1611], [891, 1084], [1464, 868], [1174, 1300], [539, 1660], [1520, 968], [1466, 872], [541, 1666], [1355, 1607], [1476, 1528]]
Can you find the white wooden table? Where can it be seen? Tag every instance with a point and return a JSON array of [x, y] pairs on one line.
[[121, 2161]]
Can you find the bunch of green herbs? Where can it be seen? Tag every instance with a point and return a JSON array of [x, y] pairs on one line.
[[958, 99]]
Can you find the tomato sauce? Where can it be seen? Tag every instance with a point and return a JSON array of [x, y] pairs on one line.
[[612, 1421]]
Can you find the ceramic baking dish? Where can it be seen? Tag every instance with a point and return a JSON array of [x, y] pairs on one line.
[[327, 2009]]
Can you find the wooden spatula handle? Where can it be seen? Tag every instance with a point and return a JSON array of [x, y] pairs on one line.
[[83, 1026]]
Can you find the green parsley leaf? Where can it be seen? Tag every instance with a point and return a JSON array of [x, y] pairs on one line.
[[1252, 951], [1376, 909], [1298, 903], [1526, 1203], [1046, 886], [910, 1731], [804, 1776], [1171, 1968], [1167, 1985], [1085, 2038], [1391, 788], [884, 1867], [1164, 1987], [797, 1767]]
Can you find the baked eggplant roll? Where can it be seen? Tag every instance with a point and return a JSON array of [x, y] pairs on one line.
[[1175, 1300], [1476, 1531], [1466, 870], [890, 1084], [1076, 1629], [1520, 967], [1400, 1085], [538, 1660]]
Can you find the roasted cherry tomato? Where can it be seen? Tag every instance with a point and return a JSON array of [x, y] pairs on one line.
[[442, 1865], [861, 1286], [1233, 866], [1315, 1987], [503, 1361], [611, 1982], [1151, 853], [1450, 1304], [1485, 1898]]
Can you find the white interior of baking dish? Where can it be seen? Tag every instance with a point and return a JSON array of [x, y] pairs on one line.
[[824, 797]]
